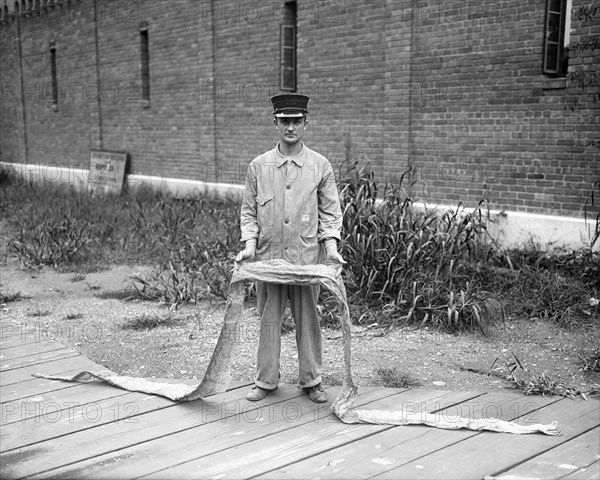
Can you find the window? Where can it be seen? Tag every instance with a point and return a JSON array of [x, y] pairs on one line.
[[145, 53], [53, 76], [287, 40], [556, 37]]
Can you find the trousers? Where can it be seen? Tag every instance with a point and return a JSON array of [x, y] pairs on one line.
[[271, 303]]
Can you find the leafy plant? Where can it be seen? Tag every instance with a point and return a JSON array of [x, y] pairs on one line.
[[416, 265], [51, 242]]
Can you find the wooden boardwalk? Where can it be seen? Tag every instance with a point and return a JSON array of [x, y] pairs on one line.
[[53, 429]]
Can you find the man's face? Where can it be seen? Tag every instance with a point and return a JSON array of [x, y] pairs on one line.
[[291, 129]]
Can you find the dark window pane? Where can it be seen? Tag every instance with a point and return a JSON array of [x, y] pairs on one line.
[[288, 79], [288, 36], [554, 5], [145, 57], [553, 27], [552, 57], [288, 57], [553, 62]]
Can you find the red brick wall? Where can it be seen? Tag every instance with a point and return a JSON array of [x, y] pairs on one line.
[[453, 90]]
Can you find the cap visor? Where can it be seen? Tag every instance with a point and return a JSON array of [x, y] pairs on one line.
[[292, 115]]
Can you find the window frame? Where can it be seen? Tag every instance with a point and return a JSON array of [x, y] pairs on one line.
[[53, 75], [559, 66], [145, 64], [287, 67]]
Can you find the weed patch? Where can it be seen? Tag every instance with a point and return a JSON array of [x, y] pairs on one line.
[[148, 322], [7, 296], [415, 265], [392, 377], [123, 294], [590, 363], [39, 313], [78, 277], [534, 384]]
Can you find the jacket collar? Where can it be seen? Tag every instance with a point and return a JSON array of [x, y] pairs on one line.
[[297, 159]]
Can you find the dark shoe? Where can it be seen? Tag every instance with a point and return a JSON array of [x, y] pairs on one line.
[[316, 394], [256, 394]]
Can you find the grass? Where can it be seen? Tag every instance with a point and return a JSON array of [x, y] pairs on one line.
[[92, 286], [77, 277], [123, 294], [7, 296], [393, 378], [148, 321], [39, 313]]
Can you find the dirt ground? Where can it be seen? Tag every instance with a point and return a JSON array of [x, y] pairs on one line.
[[81, 311]]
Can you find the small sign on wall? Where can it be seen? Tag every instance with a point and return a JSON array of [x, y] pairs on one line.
[[107, 171]]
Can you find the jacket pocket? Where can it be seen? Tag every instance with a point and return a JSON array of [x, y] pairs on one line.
[[265, 210]]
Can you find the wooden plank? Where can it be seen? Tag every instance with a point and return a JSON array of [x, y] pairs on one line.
[[37, 358], [37, 412], [64, 412], [20, 340], [591, 472], [479, 452], [295, 443], [227, 424], [384, 450], [564, 459], [86, 441], [27, 350], [38, 386], [50, 367]]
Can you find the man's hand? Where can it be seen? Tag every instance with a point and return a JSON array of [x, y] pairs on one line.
[[248, 252], [332, 251]]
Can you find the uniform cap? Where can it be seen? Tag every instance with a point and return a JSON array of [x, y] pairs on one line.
[[290, 105]]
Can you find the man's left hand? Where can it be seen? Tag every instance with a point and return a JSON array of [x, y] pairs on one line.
[[332, 251]]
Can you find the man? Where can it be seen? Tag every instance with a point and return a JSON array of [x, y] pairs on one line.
[[290, 211]]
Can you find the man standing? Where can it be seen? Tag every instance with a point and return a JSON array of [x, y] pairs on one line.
[[290, 211]]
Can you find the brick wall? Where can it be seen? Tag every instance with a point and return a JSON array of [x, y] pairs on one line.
[[246, 76], [452, 90], [487, 122], [12, 132]]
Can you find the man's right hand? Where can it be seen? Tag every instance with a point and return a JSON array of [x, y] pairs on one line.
[[248, 252]]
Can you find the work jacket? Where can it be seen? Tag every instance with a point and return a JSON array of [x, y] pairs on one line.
[[290, 205]]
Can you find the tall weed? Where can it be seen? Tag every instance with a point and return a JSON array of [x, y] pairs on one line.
[[416, 265]]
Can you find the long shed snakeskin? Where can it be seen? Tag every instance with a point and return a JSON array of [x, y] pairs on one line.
[[218, 372]]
